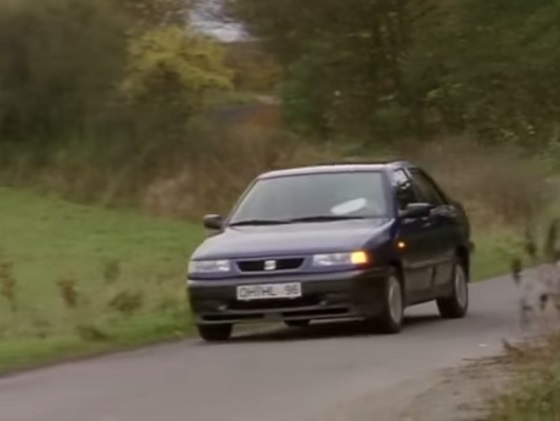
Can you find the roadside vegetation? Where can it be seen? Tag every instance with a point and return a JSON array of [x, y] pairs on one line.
[[120, 126], [535, 394], [535, 385], [76, 279]]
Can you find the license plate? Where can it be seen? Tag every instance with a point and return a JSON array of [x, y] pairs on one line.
[[268, 292]]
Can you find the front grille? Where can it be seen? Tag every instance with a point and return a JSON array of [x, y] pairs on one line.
[[277, 265]]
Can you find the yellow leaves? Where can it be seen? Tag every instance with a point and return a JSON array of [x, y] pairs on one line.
[[176, 60]]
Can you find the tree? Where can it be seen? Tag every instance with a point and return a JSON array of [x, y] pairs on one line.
[[390, 69], [173, 74], [156, 13], [254, 70], [490, 67], [59, 61], [342, 60]]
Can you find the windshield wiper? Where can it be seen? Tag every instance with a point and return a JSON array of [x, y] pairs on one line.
[[326, 218], [255, 222]]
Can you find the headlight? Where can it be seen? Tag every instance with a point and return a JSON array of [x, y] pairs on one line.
[[341, 259], [209, 266]]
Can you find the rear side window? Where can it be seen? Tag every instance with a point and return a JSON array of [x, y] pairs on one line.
[[427, 190], [404, 189]]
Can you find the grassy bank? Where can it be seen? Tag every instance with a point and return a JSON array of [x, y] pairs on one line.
[[493, 252], [535, 392], [78, 279]]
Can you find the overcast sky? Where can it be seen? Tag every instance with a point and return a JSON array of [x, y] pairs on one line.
[[206, 18]]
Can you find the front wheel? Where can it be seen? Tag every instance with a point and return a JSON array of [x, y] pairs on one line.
[[215, 333], [392, 316], [456, 306]]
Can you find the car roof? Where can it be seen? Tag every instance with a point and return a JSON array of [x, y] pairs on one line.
[[343, 166]]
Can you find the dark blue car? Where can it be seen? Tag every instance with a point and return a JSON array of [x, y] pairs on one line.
[[337, 241]]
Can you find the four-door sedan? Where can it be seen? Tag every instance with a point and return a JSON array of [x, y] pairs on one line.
[[336, 241]]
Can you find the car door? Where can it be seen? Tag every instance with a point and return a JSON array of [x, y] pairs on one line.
[[441, 229], [414, 234]]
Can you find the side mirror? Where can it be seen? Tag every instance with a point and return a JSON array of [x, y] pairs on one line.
[[213, 222], [416, 210]]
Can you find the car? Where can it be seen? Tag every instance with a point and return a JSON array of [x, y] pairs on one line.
[[358, 241]]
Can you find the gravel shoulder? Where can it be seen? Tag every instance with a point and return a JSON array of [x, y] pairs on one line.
[[460, 394]]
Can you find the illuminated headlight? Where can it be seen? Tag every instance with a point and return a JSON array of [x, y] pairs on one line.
[[356, 258], [209, 266]]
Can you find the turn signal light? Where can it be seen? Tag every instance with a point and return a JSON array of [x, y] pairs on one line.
[[360, 258]]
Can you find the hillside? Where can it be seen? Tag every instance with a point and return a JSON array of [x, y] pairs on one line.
[[78, 278]]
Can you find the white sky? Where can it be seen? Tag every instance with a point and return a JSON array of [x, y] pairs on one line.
[[205, 18]]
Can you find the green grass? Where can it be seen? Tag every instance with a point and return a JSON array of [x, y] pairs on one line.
[[48, 240], [494, 252], [534, 393]]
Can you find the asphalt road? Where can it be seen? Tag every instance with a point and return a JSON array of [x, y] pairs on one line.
[[331, 371]]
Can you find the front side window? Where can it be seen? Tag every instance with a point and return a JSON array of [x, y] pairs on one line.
[[321, 195], [429, 193], [404, 189]]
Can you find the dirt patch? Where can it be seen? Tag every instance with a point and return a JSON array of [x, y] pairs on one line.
[[458, 394], [461, 394]]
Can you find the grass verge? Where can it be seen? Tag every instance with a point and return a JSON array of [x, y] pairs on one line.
[[494, 251], [535, 393], [77, 280]]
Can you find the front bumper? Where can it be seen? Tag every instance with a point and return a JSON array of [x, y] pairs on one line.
[[350, 295]]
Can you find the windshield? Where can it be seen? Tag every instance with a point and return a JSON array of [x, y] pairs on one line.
[[320, 197]]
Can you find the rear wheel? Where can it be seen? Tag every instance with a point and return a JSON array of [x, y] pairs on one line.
[[297, 323], [215, 333], [392, 316], [456, 306]]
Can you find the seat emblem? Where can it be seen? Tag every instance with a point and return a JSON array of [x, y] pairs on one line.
[[270, 265]]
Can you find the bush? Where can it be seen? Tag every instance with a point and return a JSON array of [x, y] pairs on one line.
[[535, 393], [498, 186]]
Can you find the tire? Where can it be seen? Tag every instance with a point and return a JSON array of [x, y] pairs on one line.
[[392, 316], [457, 305], [297, 323], [215, 333]]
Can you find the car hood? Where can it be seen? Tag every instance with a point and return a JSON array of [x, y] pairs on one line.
[[292, 239]]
